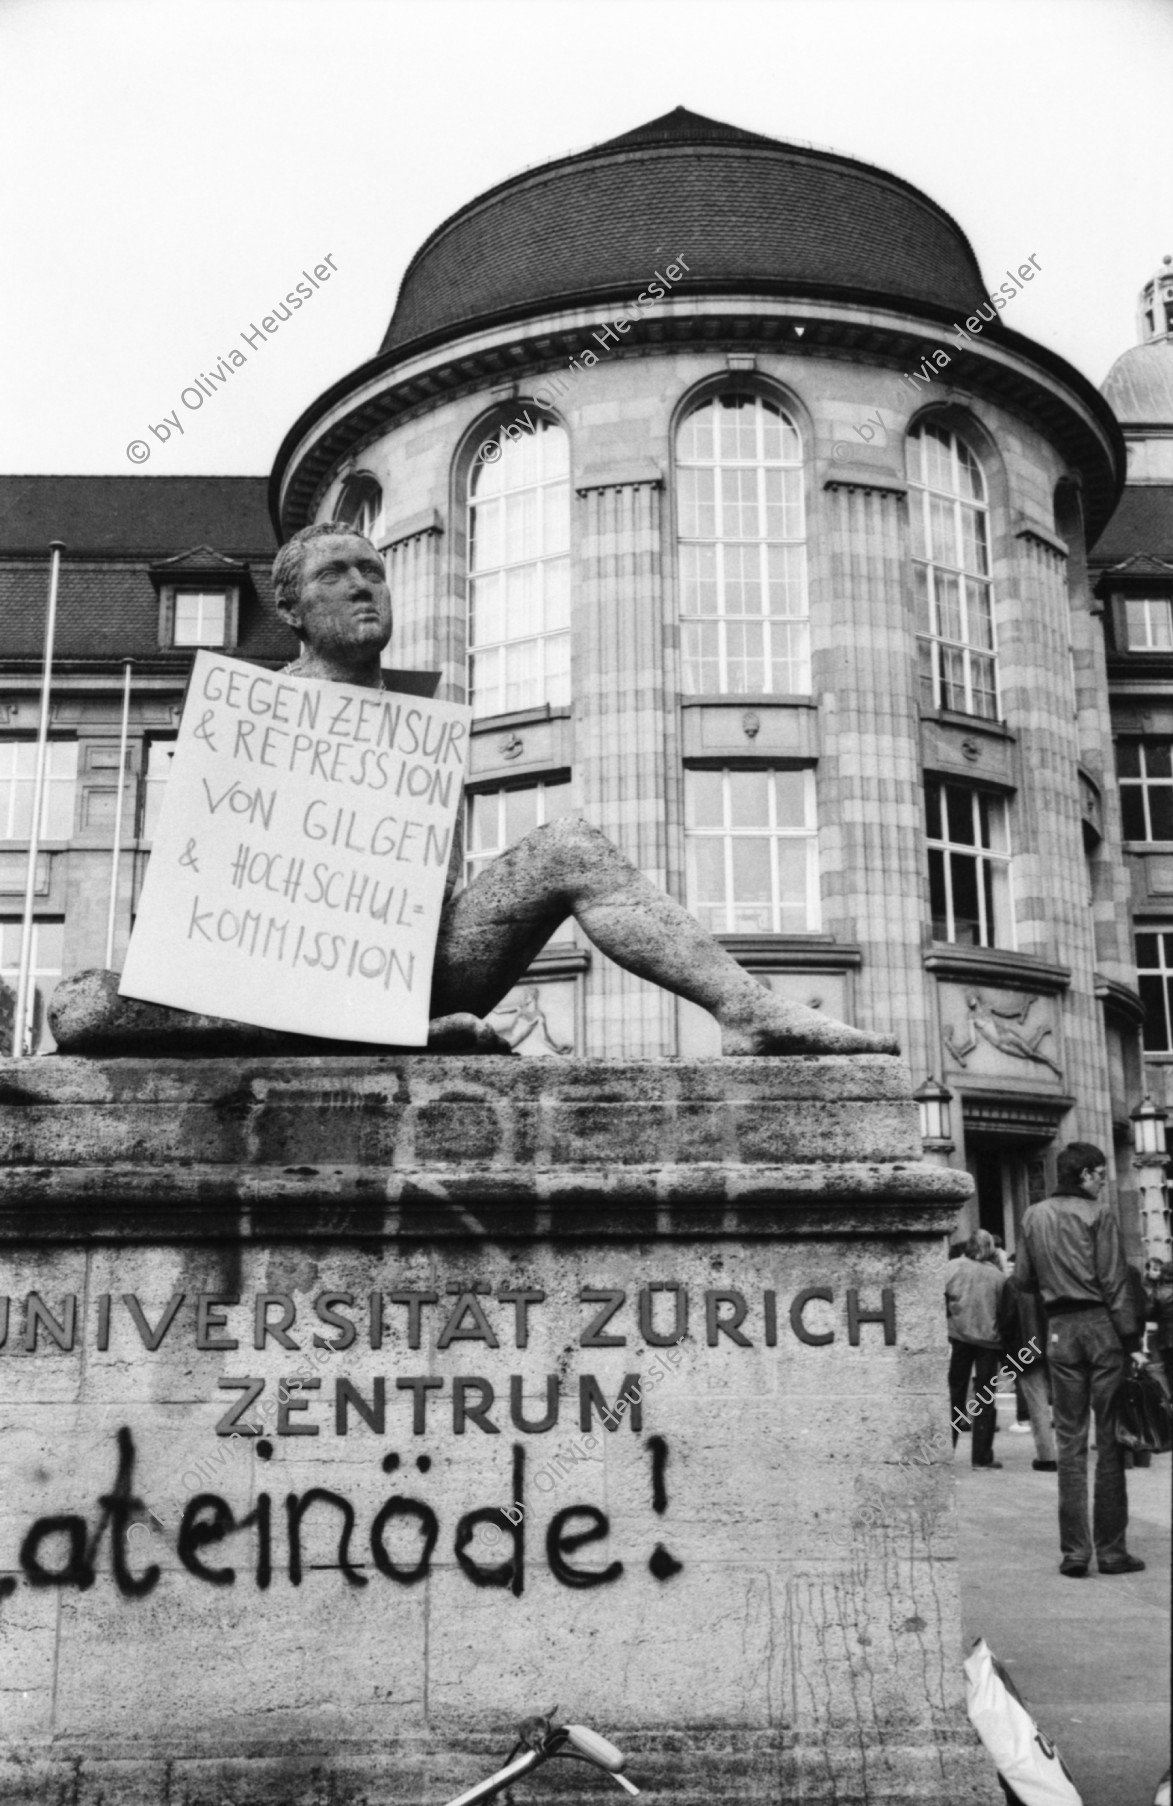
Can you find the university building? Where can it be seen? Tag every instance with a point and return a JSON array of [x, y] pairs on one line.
[[713, 473]]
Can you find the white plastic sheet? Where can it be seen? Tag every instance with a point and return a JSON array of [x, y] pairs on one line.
[[1027, 1761]]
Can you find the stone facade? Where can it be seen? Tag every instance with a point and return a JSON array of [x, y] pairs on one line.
[[420, 1288], [1131, 573], [850, 317], [1056, 979]]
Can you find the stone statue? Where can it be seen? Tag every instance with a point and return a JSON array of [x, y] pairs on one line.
[[332, 591]]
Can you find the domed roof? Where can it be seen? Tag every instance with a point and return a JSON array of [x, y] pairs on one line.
[[1139, 386], [746, 212]]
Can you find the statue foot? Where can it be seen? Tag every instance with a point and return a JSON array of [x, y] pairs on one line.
[[463, 1033], [772, 1026]]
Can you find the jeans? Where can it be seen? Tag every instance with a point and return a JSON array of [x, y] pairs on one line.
[[1087, 1366], [965, 1357], [1033, 1382]]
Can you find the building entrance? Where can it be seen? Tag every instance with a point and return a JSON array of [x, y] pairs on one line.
[[1006, 1181]]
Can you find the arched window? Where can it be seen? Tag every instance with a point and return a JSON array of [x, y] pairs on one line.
[[743, 603], [951, 569], [519, 569], [360, 504]]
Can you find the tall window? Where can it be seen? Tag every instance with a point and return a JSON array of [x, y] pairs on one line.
[[752, 851], [951, 571], [156, 771], [969, 865], [497, 819], [201, 617], [1154, 964], [1148, 623], [45, 969], [18, 764], [519, 571], [1145, 769], [743, 604]]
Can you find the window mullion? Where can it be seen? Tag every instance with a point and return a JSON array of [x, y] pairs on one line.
[[727, 838], [979, 867], [950, 918], [772, 836], [764, 614]]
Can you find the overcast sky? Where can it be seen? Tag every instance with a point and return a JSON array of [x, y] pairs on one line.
[[170, 168]]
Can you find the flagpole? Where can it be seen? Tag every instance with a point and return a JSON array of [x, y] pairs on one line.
[[117, 850], [56, 547]]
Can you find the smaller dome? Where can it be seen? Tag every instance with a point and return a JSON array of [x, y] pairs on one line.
[[1139, 386]]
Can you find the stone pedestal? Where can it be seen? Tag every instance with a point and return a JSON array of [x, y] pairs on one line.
[[352, 1410]]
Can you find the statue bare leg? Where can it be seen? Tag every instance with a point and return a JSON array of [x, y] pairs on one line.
[[490, 933]]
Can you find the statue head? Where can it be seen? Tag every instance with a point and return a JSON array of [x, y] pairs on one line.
[[331, 589]]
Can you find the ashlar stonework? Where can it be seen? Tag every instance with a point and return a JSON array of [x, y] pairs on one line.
[[353, 1409]]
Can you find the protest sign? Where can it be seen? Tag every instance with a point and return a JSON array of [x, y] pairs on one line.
[[297, 872]]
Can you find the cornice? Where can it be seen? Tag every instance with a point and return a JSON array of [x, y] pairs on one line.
[[1008, 370], [995, 965], [792, 952], [1119, 999]]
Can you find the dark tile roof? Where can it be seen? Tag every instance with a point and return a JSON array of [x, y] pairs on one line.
[[745, 211], [158, 515], [681, 125], [1142, 523], [114, 529], [110, 610]]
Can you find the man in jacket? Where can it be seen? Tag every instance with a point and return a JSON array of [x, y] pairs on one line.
[[1069, 1251], [973, 1303]]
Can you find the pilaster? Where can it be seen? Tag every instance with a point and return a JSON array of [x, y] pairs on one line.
[[871, 816], [624, 711]]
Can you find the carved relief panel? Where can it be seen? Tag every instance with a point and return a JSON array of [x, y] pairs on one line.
[[993, 1033]]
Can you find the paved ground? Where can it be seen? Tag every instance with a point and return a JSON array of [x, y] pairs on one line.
[[1089, 1657]]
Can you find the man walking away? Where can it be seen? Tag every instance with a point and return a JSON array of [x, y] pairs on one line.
[[1069, 1251], [973, 1299]]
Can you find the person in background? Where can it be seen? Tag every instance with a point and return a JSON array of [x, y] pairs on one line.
[[1159, 1302], [973, 1306], [1138, 1299], [1069, 1251], [1021, 1424], [1022, 1320]]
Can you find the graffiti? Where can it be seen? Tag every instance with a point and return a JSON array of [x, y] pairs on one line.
[[62, 1550]]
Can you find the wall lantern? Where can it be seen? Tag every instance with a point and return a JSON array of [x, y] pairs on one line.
[[1148, 1130], [933, 1101]]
